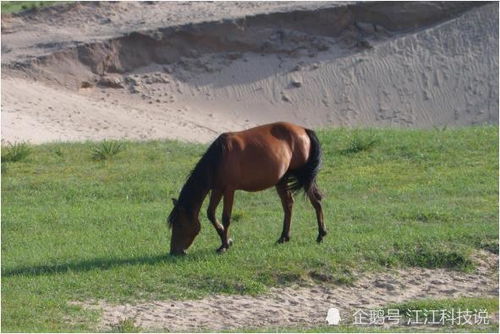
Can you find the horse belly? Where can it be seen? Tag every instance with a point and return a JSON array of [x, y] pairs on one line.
[[257, 185]]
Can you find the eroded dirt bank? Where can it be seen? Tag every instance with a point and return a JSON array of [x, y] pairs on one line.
[[190, 71]]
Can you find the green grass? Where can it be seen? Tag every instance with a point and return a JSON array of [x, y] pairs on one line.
[[18, 6], [75, 229]]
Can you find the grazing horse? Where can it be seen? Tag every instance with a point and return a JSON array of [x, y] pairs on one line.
[[283, 155]]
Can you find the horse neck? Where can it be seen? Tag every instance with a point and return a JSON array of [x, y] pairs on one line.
[[200, 180], [196, 205], [192, 197]]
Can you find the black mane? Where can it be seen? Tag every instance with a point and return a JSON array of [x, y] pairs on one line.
[[200, 180]]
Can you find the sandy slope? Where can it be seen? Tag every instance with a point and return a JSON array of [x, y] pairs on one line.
[[190, 71]]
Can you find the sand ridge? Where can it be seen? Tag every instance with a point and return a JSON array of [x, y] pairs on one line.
[[40, 32]]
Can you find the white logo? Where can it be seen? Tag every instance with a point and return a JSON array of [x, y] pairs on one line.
[[333, 316]]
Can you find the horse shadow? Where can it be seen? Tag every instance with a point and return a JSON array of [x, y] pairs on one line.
[[97, 263]]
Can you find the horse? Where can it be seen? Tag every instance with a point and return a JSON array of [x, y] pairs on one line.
[[283, 155]]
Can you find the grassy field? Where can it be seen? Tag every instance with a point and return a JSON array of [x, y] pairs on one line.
[[18, 6], [79, 226]]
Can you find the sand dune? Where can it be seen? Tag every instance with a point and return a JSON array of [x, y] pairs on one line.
[[89, 72]]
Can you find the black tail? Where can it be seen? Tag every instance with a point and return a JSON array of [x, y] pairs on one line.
[[305, 176]]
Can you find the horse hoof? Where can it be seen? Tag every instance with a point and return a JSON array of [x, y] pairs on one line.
[[230, 242], [221, 249], [181, 253], [283, 240], [320, 236], [319, 239]]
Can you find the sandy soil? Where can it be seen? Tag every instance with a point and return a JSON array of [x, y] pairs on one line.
[[192, 70], [304, 306]]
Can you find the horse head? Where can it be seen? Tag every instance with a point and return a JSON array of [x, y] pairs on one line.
[[185, 227]]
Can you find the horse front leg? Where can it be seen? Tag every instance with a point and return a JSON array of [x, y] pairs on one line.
[[226, 220], [215, 197]]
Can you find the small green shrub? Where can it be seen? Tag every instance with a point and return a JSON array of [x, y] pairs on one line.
[[359, 142], [58, 151], [15, 152], [106, 150]]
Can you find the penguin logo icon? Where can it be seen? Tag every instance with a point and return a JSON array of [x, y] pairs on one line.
[[333, 316]]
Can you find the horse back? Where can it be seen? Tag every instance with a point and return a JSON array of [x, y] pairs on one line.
[[257, 158]]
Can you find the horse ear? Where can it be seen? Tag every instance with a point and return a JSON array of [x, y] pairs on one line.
[[174, 201]]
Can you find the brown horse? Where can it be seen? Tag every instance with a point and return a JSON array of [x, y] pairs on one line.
[[283, 155]]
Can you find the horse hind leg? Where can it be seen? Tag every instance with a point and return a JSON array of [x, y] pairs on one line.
[[315, 197], [287, 203]]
